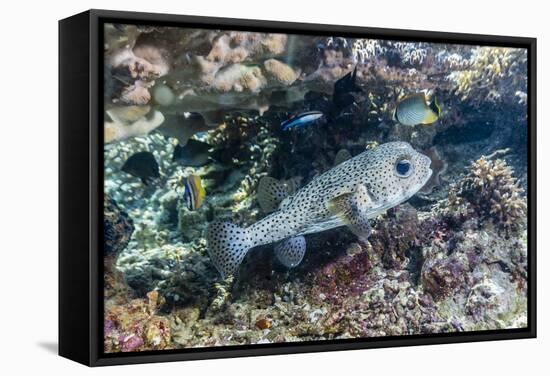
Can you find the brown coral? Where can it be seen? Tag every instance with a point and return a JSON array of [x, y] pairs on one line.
[[491, 192], [280, 72]]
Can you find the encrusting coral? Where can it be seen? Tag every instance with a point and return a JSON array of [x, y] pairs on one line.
[[135, 325]]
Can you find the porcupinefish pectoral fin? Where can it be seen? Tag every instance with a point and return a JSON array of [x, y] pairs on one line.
[[290, 252], [228, 244], [270, 193], [352, 208]]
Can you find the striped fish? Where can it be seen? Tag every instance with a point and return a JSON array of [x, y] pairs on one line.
[[194, 192], [414, 109], [301, 120]]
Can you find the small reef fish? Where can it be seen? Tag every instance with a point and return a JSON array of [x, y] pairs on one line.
[[349, 194], [142, 165], [194, 192], [415, 109], [343, 88], [301, 120], [195, 153]]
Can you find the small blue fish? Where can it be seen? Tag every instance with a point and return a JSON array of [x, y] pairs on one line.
[[301, 119]]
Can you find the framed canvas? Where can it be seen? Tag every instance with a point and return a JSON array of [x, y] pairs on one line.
[[238, 187]]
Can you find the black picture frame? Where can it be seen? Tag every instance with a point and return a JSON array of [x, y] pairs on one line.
[[81, 187]]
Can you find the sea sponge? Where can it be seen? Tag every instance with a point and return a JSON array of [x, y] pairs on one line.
[[490, 192], [280, 72]]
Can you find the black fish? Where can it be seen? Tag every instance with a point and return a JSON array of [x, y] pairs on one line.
[[343, 88], [194, 153], [142, 165]]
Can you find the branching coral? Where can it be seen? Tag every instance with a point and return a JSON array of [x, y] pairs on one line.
[[491, 192], [364, 50], [491, 73]]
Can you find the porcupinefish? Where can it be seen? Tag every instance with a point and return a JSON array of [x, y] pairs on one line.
[[194, 192], [415, 109], [142, 165], [301, 120], [349, 194]]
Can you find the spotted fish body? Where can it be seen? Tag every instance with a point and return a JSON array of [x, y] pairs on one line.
[[348, 194]]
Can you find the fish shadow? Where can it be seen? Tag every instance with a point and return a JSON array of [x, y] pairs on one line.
[[262, 270]]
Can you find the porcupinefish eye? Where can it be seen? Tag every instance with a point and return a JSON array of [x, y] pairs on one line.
[[403, 168]]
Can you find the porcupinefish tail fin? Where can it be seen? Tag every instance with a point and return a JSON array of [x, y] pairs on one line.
[[352, 208], [270, 193], [290, 252], [228, 244]]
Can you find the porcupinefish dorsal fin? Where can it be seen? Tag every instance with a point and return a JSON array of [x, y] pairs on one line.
[[290, 252], [272, 192], [342, 156], [352, 208]]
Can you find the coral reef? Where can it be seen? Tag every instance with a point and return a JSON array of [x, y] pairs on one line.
[[453, 258]]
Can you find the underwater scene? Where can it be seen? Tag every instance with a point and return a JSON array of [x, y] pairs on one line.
[[268, 188]]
